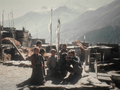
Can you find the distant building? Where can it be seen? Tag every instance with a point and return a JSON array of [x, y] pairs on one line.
[[8, 32], [24, 37]]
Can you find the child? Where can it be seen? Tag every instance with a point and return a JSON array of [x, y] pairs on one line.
[[52, 62], [39, 43], [37, 68], [75, 62], [42, 52], [76, 70], [62, 51]]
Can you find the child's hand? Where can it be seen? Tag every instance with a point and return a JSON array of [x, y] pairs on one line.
[[67, 59], [42, 65], [33, 66]]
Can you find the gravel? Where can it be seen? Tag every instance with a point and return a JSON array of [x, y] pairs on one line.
[[11, 77]]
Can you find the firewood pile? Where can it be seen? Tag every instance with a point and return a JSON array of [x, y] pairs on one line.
[[7, 41], [26, 52], [7, 57], [78, 43], [22, 52]]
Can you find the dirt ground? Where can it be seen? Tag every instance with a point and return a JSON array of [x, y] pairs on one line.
[[18, 78], [11, 77]]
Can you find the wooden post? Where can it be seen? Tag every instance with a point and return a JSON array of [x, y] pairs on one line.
[[58, 38], [51, 32], [89, 61], [1, 41], [103, 57], [95, 66], [84, 38], [17, 50], [84, 65]]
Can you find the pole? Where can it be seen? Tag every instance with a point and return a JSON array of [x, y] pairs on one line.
[[8, 20], [103, 57], [0, 20], [1, 42], [13, 18], [12, 27], [3, 19], [58, 37], [95, 67], [84, 37], [36, 31], [51, 32]]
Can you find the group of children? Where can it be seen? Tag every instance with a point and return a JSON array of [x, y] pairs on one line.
[[68, 62]]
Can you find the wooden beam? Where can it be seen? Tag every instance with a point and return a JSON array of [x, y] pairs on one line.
[[1, 41], [17, 49]]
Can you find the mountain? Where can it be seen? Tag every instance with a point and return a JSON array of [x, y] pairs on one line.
[[84, 5], [37, 21], [73, 24], [92, 20], [108, 34]]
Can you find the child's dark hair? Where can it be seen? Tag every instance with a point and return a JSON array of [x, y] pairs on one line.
[[42, 50], [38, 42], [64, 45]]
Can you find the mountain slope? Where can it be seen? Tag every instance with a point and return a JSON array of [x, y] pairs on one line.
[[91, 20], [108, 34], [37, 21], [73, 25]]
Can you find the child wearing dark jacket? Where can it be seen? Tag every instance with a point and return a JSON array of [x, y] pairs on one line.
[[37, 77]]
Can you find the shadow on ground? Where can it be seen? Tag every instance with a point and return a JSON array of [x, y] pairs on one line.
[[25, 85]]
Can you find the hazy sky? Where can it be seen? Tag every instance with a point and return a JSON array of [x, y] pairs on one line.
[[20, 7]]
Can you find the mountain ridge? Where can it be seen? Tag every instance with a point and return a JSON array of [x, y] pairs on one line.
[[92, 20], [72, 23]]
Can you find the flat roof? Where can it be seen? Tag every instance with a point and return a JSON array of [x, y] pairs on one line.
[[101, 47], [73, 47]]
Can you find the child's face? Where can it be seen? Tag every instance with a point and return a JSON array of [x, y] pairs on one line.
[[70, 54], [42, 54], [39, 45], [64, 47], [36, 51], [53, 53]]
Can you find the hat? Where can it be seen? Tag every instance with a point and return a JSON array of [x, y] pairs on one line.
[[36, 48], [72, 51], [53, 50]]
